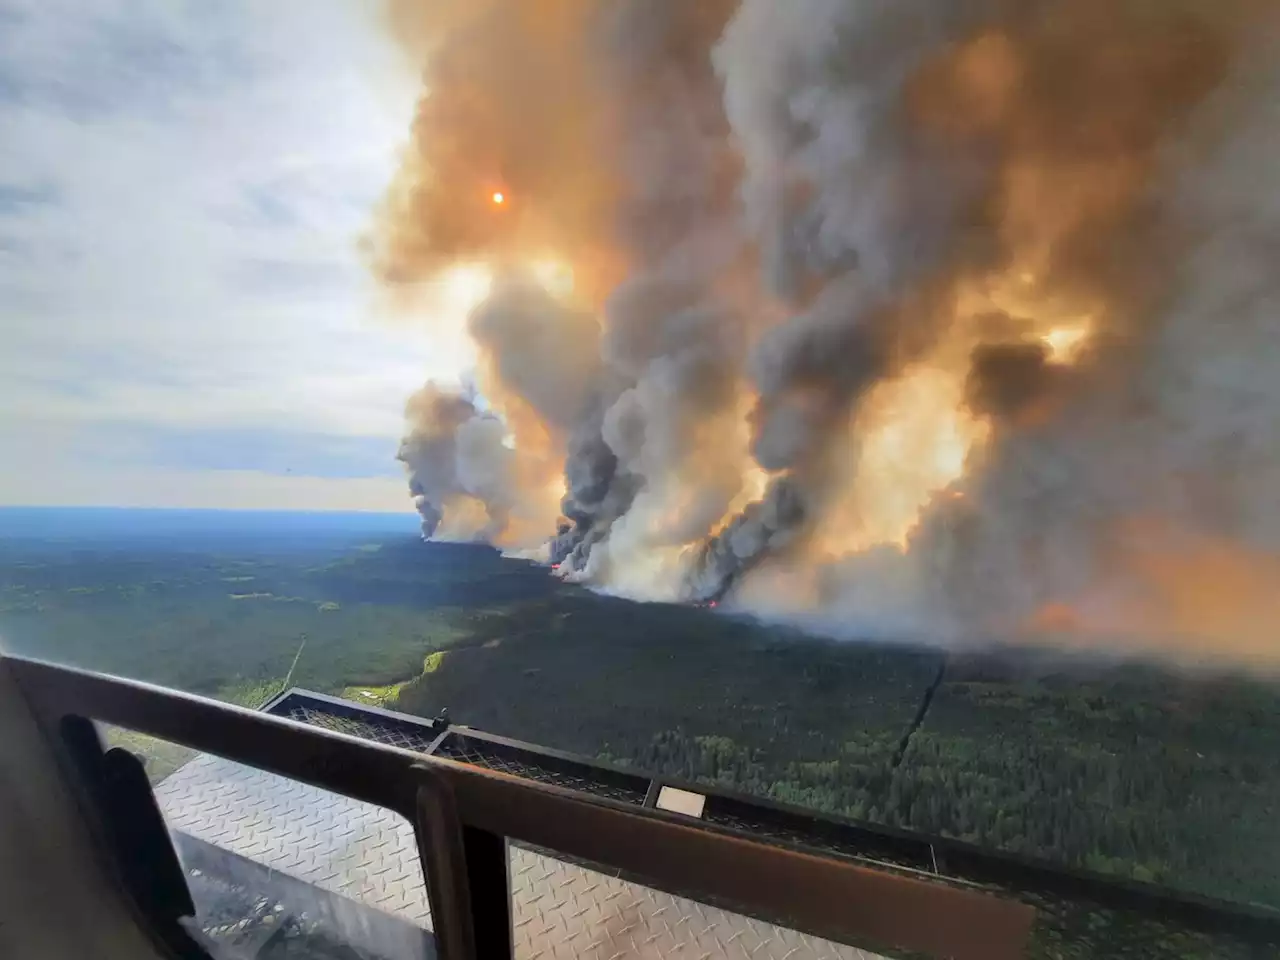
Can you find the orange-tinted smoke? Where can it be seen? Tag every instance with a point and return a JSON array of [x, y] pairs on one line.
[[1061, 109], [1092, 108], [1203, 599], [511, 107], [508, 169], [1067, 118]]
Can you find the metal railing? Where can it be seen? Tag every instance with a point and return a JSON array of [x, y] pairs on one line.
[[466, 791], [939, 858]]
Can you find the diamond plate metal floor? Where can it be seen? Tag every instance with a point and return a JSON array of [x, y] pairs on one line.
[[562, 911], [559, 910], [340, 845]]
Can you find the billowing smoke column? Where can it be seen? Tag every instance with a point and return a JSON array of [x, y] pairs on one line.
[[949, 319]]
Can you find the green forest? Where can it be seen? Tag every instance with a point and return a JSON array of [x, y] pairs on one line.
[[1123, 769]]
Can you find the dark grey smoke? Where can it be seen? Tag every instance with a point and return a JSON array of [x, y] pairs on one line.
[[762, 528], [595, 496], [450, 451], [1008, 378]]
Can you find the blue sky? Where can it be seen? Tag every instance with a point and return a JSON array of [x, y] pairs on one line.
[[184, 318]]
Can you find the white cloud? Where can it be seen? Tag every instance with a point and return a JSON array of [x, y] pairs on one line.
[[187, 184]]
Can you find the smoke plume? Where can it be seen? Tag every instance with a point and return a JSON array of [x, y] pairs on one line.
[[934, 319]]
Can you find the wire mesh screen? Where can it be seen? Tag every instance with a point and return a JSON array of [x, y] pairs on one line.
[[542, 768], [357, 723], [420, 736]]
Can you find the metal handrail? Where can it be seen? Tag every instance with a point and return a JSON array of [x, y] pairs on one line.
[[940, 858], [461, 813]]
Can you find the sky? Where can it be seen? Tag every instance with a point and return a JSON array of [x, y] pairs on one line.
[[185, 319]]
